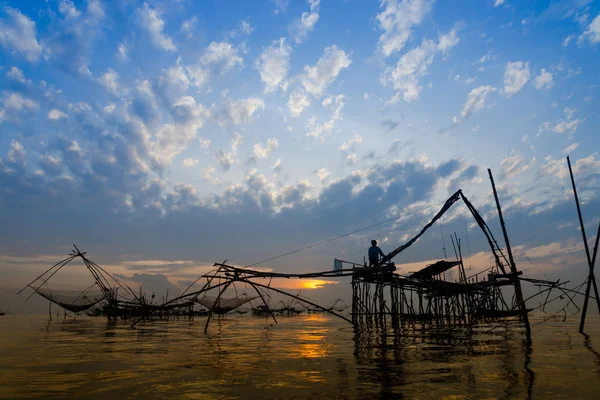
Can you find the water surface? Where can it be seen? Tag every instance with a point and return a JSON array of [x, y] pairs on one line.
[[305, 356]]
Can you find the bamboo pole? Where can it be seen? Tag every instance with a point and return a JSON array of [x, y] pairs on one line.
[[591, 278], [513, 267]]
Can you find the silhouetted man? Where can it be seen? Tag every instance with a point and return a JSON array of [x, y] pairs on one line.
[[374, 253]]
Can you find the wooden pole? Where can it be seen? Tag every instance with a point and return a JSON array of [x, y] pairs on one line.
[[513, 267], [591, 278]]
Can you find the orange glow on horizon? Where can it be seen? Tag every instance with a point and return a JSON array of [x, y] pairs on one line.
[[314, 283]]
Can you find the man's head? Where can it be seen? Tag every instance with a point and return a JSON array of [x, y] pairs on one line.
[[373, 242]]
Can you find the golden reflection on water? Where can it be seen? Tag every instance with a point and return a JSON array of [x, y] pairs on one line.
[[306, 356]]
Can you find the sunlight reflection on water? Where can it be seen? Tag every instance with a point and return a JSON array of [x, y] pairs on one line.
[[305, 356]]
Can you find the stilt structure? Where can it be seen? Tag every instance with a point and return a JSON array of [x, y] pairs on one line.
[[381, 297], [591, 259]]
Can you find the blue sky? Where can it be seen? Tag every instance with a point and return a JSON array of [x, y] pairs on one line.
[[162, 136]]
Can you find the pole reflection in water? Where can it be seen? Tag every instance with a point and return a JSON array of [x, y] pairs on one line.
[[313, 356]]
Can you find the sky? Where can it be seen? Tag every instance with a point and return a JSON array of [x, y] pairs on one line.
[[164, 136]]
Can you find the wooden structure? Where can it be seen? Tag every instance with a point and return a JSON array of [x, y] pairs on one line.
[[381, 298]]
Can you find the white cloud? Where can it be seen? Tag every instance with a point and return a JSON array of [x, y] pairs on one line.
[[298, 102], [409, 70], [568, 39], [498, 3], [154, 24], [14, 101], [591, 34], [515, 165], [405, 77], [226, 159], [571, 148], [349, 145], [274, 64], [199, 76], [204, 143], [449, 40], [581, 167], [316, 78], [261, 151], [55, 114], [122, 51], [190, 162], [280, 6], [561, 126], [300, 28], [16, 74], [241, 111], [544, 80], [222, 55], [320, 131], [18, 34], [476, 100], [245, 27], [68, 9], [569, 112], [516, 75], [323, 174], [109, 81], [397, 21]]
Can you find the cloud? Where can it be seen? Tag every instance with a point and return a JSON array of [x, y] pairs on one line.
[[241, 111], [17, 75], [280, 6], [298, 102], [516, 75], [561, 126], [18, 35], [190, 162], [151, 20], [397, 21], [273, 65], [109, 81], [571, 148], [70, 43], [221, 56], [320, 131], [204, 143], [543, 80], [405, 77], [591, 34], [55, 114], [476, 100], [300, 28], [498, 3], [568, 125], [582, 168], [316, 78], [261, 151], [515, 165], [227, 158], [122, 51]]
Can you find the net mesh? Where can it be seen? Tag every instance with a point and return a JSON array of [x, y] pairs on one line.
[[224, 304], [74, 301]]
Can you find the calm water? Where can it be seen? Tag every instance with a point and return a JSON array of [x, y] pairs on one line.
[[312, 356]]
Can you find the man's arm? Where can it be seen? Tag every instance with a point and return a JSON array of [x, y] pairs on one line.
[[381, 252]]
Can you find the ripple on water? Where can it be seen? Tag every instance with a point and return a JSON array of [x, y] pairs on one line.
[[312, 356]]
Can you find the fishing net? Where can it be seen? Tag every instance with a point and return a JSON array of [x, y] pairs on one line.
[[74, 301], [224, 305]]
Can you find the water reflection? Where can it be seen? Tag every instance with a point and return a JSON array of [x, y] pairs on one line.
[[301, 357]]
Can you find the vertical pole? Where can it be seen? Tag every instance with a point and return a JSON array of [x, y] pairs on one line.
[[513, 267], [590, 279]]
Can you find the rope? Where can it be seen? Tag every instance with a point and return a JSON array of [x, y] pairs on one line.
[[340, 236]]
